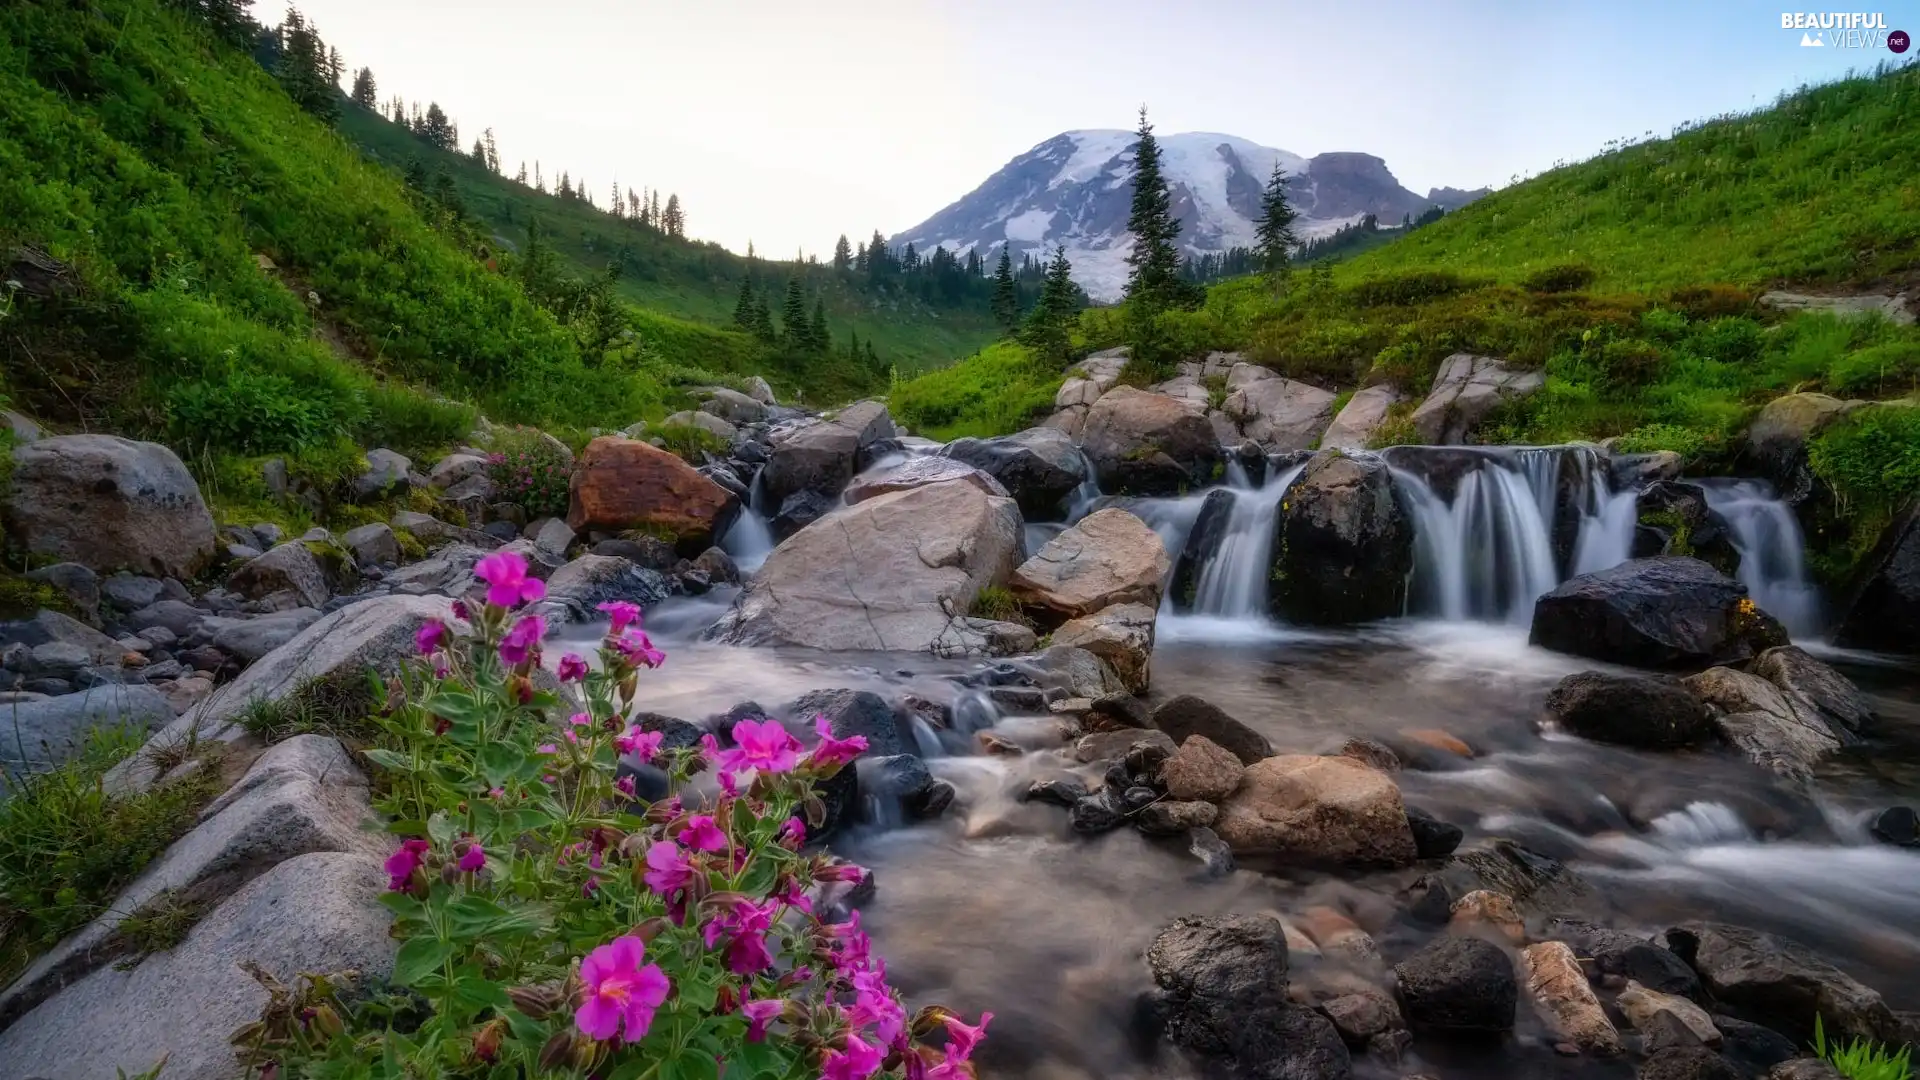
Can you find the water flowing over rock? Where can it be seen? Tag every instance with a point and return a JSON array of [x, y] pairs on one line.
[[1628, 710], [1782, 982], [1320, 810], [1458, 986], [1654, 613], [621, 484], [1149, 444], [919, 472], [1109, 557], [1679, 515], [1121, 636], [109, 504], [896, 572], [1564, 1000], [1276, 412], [1040, 466], [1360, 418], [1187, 717], [1466, 390], [1342, 544]]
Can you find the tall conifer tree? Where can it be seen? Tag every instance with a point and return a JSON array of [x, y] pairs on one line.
[[793, 314], [1006, 299], [364, 94], [743, 308], [1273, 234], [1153, 278], [842, 254]]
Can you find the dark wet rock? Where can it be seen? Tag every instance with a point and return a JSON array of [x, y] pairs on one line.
[[650, 552], [1688, 1063], [1343, 544], [676, 734], [855, 712], [905, 778], [1458, 986], [1018, 699], [1040, 467], [1136, 799], [1216, 858], [1806, 1068], [1432, 838], [1187, 715], [1897, 825], [576, 591], [1882, 608], [1629, 710], [1118, 710], [1169, 817], [935, 799], [1223, 999], [799, 510], [1533, 881], [1655, 613], [1203, 543], [1292, 1043], [1781, 982], [1057, 791], [1359, 1017], [1627, 956], [1097, 813], [1371, 751], [1678, 513], [1752, 1047], [1145, 759], [1141, 443], [1113, 745], [1429, 900], [1813, 687]]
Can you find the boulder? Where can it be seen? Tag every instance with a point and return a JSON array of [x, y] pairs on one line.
[[1458, 986], [291, 566], [1654, 613], [1115, 745], [43, 733], [1040, 467], [1486, 910], [1121, 636], [1149, 444], [1278, 413], [1362, 1016], [1343, 544], [758, 390], [1109, 557], [735, 407], [1806, 1068], [919, 472], [576, 590], [620, 484], [1201, 769], [1782, 983], [1209, 532], [1318, 810], [801, 509], [1640, 1005], [1628, 710], [1626, 956], [426, 528], [702, 421], [1882, 610], [1432, 838], [1814, 690], [81, 586], [107, 503], [1565, 1002], [550, 535], [22, 429], [854, 712], [1777, 439], [1466, 390], [895, 572], [372, 545], [1359, 418], [386, 474], [1186, 716], [1683, 1062], [1897, 825], [319, 912], [1758, 720], [1173, 817], [251, 639], [1186, 390], [818, 459], [455, 467]]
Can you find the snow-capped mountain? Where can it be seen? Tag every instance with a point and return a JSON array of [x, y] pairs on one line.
[[1075, 189]]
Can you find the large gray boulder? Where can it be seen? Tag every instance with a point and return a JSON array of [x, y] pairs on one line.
[[576, 590], [302, 795], [1360, 418], [1121, 636], [290, 566], [1343, 543], [1783, 983], [1040, 467], [1628, 710], [1654, 613], [821, 457], [387, 473], [1276, 412], [40, 734], [1109, 557], [1465, 391], [1149, 444], [319, 912], [1777, 439], [109, 504], [919, 472], [735, 407], [1814, 690], [895, 572], [251, 639]]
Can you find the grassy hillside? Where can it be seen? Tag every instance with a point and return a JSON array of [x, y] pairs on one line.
[[690, 280]]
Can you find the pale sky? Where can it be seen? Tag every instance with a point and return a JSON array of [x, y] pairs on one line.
[[789, 122]]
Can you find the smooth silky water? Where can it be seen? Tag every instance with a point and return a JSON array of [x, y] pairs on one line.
[[999, 906]]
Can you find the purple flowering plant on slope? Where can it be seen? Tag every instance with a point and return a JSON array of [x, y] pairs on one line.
[[549, 925], [529, 471]]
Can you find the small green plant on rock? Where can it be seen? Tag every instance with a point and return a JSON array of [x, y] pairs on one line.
[[1860, 1059], [689, 443]]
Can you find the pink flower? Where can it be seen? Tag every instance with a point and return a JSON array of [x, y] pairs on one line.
[[624, 786], [729, 783], [429, 637], [546, 748], [759, 1014], [572, 668], [495, 793], [403, 862], [874, 1005], [793, 832], [473, 859], [622, 614], [580, 719], [701, 834], [841, 871], [832, 751], [763, 745], [962, 1038], [746, 923], [522, 640], [638, 648], [461, 612], [621, 994], [852, 950], [795, 896], [857, 1062], [642, 744], [667, 868], [507, 582]]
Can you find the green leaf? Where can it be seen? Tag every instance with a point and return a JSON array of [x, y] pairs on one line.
[[475, 991], [441, 828], [690, 1067], [402, 905], [389, 759], [699, 994], [418, 957], [474, 910], [407, 827], [499, 762]]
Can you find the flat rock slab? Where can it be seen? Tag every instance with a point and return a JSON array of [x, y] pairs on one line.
[[44, 733], [319, 912]]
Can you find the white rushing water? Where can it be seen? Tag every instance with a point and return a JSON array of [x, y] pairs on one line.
[[1233, 583], [1773, 563], [749, 540]]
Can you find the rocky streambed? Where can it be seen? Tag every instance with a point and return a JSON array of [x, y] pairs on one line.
[[1192, 751]]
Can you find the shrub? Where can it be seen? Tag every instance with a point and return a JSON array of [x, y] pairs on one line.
[[1565, 277], [257, 412], [1649, 438], [999, 390], [1872, 458], [528, 470], [550, 921], [1712, 301], [691, 443], [1877, 370], [404, 419], [999, 605], [1409, 287]]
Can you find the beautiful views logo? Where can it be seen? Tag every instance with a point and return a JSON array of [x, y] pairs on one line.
[[1845, 30]]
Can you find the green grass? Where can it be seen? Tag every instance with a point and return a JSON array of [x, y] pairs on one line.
[[1860, 1059], [1002, 388]]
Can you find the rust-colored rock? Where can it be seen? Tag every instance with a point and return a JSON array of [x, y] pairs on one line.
[[1492, 910], [1565, 1002], [620, 484], [1318, 810]]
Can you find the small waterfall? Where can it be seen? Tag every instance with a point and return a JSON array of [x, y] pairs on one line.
[[1233, 581], [1606, 525], [748, 539], [1773, 563], [1487, 554]]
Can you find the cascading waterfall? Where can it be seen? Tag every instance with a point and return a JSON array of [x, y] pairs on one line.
[[1233, 582], [748, 539], [1773, 563], [1487, 553]]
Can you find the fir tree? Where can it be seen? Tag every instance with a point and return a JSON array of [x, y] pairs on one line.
[[539, 184], [1273, 234], [793, 314], [521, 179], [364, 94], [565, 190], [673, 221], [873, 358], [229, 20], [303, 67], [1153, 277], [842, 255], [1047, 324], [1006, 300], [653, 212], [763, 319], [493, 152], [879, 259], [743, 308], [336, 68], [479, 153], [437, 129], [818, 338]]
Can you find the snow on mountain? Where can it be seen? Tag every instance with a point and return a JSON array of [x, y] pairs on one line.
[[1075, 189]]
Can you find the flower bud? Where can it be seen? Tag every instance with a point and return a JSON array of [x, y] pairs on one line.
[[650, 929], [325, 1020], [554, 1055], [816, 811], [535, 1002], [486, 1041], [587, 1052], [724, 1001], [928, 1020]]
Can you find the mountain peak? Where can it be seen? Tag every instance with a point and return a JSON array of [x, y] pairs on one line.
[[1076, 187]]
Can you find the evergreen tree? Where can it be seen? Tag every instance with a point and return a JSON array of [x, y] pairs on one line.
[[397, 107], [479, 153], [818, 338], [842, 255], [1046, 328], [873, 358], [763, 319], [793, 314], [743, 308], [493, 152], [1153, 277], [653, 212], [521, 179], [673, 221], [1274, 237], [230, 20], [539, 184], [364, 94], [879, 259], [303, 67], [437, 129], [1006, 300], [336, 68], [565, 190]]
